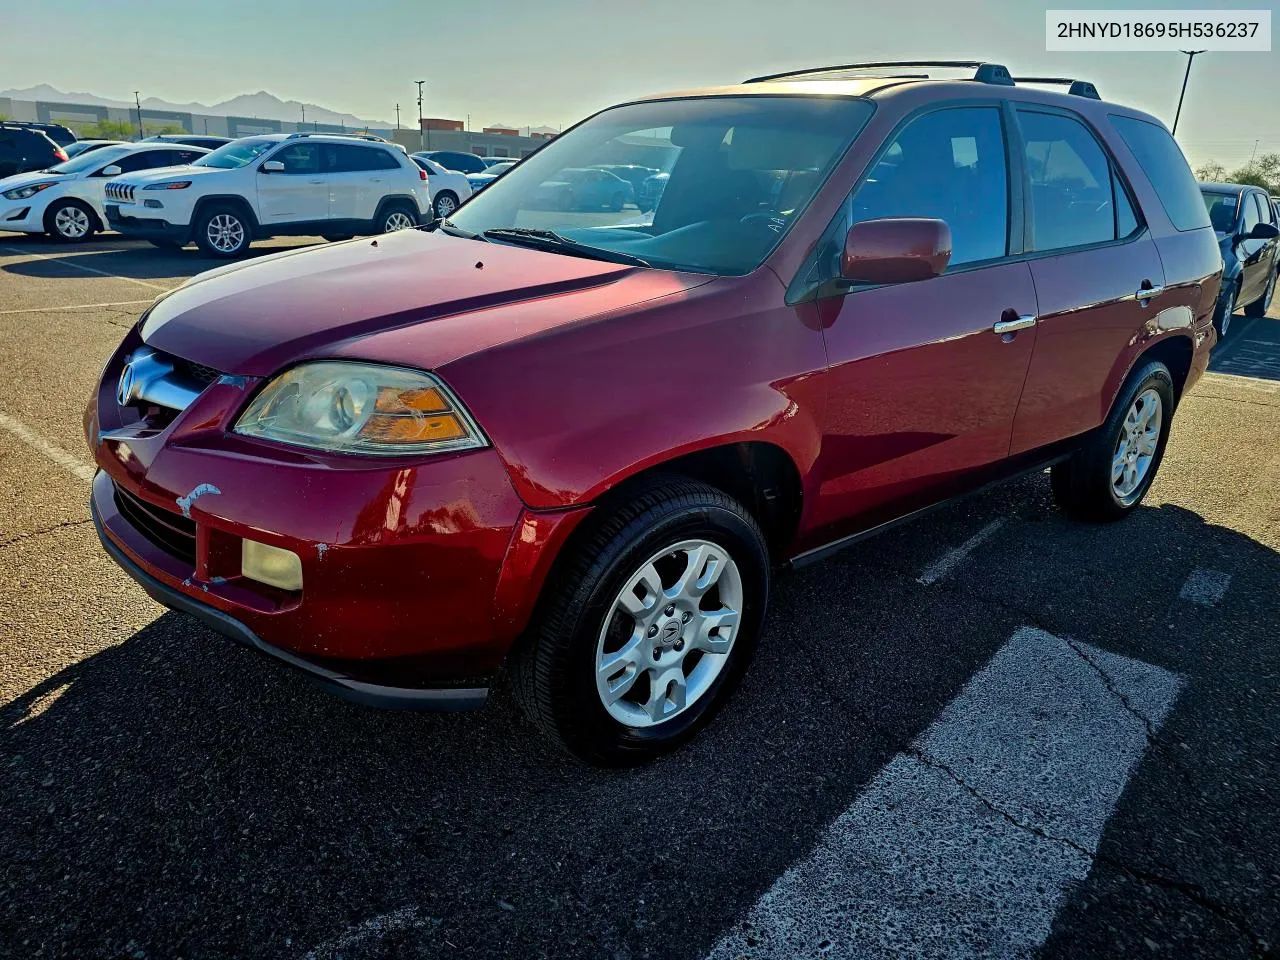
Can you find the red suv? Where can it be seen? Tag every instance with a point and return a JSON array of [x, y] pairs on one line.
[[576, 445]]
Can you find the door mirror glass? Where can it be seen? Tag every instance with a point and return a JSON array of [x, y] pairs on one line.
[[272, 166], [896, 250], [111, 171], [1263, 231]]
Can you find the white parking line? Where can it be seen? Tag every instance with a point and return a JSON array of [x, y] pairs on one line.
[[81, 266], [952, 558], [1206, 587], [78, 306], [68, 462], [966, 845]]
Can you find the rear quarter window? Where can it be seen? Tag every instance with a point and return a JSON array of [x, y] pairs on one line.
[[1167, 169]]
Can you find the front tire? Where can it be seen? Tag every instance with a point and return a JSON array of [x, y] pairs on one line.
[[1109, 476], [1260, 306], [648, 625], [224, 232], [1226, 310], [445, 203], [70, 221]]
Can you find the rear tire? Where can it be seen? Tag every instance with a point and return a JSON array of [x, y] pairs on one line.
[[688, 533], [223, 231], [1260, 306], [1226, 310], [397, 216], [445, 203], [70, 221], [1128, 446]]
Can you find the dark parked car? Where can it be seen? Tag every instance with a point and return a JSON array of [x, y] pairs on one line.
[[89, 146], [192, 140], [23, 148], [650, 191], [495, 161], [634, 173], [579, 452], [1245, 222], [456, 160], [57, 132]]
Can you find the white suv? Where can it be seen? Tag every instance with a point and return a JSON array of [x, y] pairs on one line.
[[333, 186]]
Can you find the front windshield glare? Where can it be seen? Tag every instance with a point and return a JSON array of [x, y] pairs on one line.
[[235, 154], [709, 185], [93, 160]]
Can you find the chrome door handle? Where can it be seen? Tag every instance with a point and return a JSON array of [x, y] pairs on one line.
[[1146, 293], [1013, 326]]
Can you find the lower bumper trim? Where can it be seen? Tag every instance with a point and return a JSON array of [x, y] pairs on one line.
[[369, 694]]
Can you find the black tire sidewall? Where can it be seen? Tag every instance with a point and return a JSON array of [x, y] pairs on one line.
[[202, 232], [435, 204], [586, 725]]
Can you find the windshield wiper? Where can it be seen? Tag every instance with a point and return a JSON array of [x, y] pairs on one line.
[[550, 240], [445, 225]]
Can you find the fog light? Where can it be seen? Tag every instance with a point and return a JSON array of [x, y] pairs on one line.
[[271, 565], [152, 204]]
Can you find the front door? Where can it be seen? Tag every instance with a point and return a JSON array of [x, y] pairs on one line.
[[299, 193], [922, 386], [1257, 257]]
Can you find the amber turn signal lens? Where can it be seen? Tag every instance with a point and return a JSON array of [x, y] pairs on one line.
[[420, 429], [420, 400]]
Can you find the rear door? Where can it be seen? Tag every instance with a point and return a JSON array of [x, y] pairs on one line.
[[300, 193], [359, 178], [1089, 258], [922, 389]]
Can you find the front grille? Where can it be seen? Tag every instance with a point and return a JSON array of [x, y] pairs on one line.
[[170, 531], [119, 191], [196, 371]]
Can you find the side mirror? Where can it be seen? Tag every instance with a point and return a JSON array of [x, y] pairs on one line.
[[1262, 231], [272, 166], [897, 250], [111, 171]]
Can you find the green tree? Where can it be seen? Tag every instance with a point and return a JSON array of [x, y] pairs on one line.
[[1263, 171], [1210, 171]]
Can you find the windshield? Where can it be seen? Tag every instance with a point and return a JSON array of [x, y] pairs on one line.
[[93, 160], [742, 170], [235, 154], [1222, 210]]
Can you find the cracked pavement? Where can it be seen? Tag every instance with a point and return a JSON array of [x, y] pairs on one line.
[[164, 793]]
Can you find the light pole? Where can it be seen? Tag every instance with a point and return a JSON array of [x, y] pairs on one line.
[[397, 116], [421, 133], [304, 117], [141, 135], [1191, 55]]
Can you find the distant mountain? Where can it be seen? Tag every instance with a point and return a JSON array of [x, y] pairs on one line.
[[260, 104]]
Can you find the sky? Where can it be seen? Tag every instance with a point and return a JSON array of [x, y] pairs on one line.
[[554, 62]]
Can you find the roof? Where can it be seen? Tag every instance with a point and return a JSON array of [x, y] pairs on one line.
[[1229, 187]]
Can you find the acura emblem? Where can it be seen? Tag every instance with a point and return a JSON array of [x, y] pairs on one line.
[[127, 388]]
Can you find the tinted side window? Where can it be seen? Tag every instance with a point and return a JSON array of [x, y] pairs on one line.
[[1167, 169], [1264, 208], [344, 158], [382, 159], [1250, 214], [299, 158], [949, 165], [1075, 198]]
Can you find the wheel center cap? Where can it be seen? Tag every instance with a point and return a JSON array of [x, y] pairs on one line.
[[669, 633]]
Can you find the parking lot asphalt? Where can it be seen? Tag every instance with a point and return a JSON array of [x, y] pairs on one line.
[[993, 732]]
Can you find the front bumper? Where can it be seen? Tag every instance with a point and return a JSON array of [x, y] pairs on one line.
[[370, 694], [417, 576], [149, 228], [22, 216]]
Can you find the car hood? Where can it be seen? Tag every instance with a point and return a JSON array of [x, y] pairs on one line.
[[454, 297], [35, 176], [163, 173]]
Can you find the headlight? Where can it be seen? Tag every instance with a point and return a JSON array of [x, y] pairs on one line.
[[360, 408], [173, 185], [21, 193]]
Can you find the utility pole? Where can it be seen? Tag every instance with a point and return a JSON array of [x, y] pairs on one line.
[[1191, 55], [1255, 152], [397, 116], [304, 116], [136, 100], [421, 131]]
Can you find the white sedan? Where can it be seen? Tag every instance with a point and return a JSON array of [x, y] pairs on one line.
[[66, 201], [448, 188]]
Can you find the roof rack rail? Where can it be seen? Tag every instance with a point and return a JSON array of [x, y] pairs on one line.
[[984, 72], [321, 133], [1075, 88]]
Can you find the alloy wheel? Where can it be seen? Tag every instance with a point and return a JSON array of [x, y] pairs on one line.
[[445, 206], [1228, 313], [669, 633], [1136, 447], [225, 233], [72, 223], [398, 220]]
